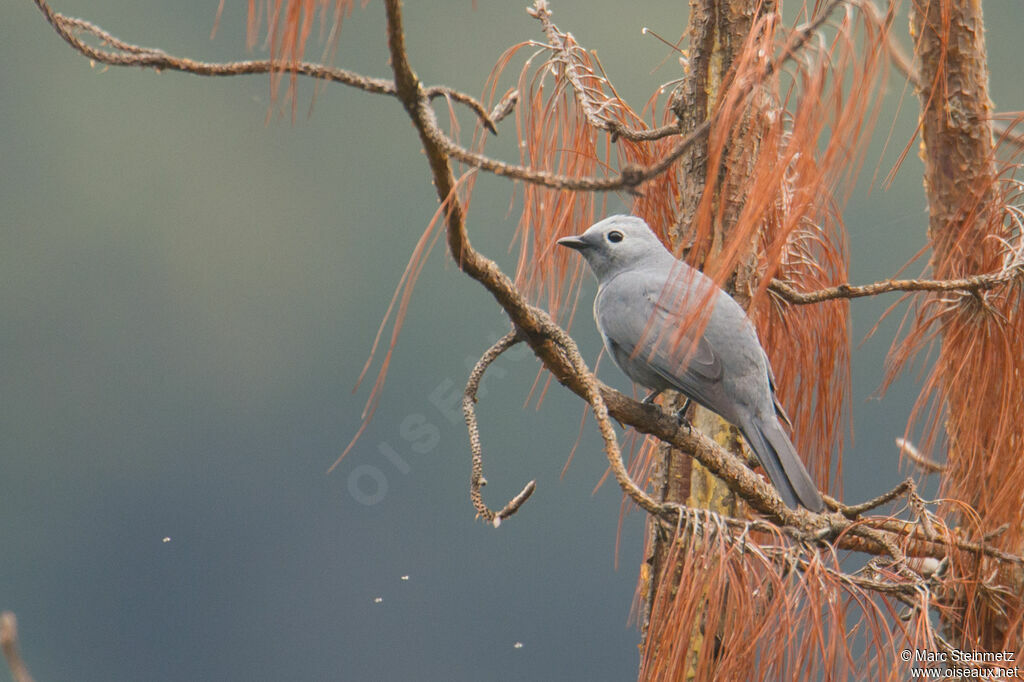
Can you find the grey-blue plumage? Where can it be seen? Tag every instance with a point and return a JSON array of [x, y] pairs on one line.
[[644, 295]]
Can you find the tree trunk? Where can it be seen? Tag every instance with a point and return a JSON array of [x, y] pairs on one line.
[[718, 31], [976, 375]]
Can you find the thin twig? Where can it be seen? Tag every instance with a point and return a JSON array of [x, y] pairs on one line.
[[854, 511], [630, 176], [470, 101], [504, 106], [977, 283], [129, 54], [565, 48], [9, 644], [911, 532], [477, 480], [921, 513], [917, 457], [147, 57]]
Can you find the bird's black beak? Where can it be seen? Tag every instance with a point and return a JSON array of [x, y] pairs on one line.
[[575, 243]]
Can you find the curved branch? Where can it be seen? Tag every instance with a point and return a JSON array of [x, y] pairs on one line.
[[477, 480], [593, 395], [128, 54], [853, 511], [549, 341], [470, 101], [630, 176]]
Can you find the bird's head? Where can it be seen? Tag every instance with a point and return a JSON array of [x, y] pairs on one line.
[[616, 244]]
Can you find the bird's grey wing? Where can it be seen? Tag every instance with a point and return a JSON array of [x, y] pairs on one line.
[[633, 314], [780, 411]]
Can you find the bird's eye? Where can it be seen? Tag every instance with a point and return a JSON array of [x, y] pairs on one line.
[[615, 236]]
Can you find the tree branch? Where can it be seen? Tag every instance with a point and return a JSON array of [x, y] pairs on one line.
[[129, 54], [576, 71], [477, 480], [975, 284]]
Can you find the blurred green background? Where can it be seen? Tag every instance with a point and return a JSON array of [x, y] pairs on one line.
[[189, 293]]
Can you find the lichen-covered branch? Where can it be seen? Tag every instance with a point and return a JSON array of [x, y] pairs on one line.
[[477, 480]]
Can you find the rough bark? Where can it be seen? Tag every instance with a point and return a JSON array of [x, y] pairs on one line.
[[965, 212], [956, 131], [717, 32]]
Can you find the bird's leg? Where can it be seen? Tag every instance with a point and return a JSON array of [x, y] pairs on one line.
[[649, 398]]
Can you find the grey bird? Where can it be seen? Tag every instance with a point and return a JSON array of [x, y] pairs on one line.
[[644, 294]]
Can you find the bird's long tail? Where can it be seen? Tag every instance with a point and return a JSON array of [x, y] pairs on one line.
[[782, 464]]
